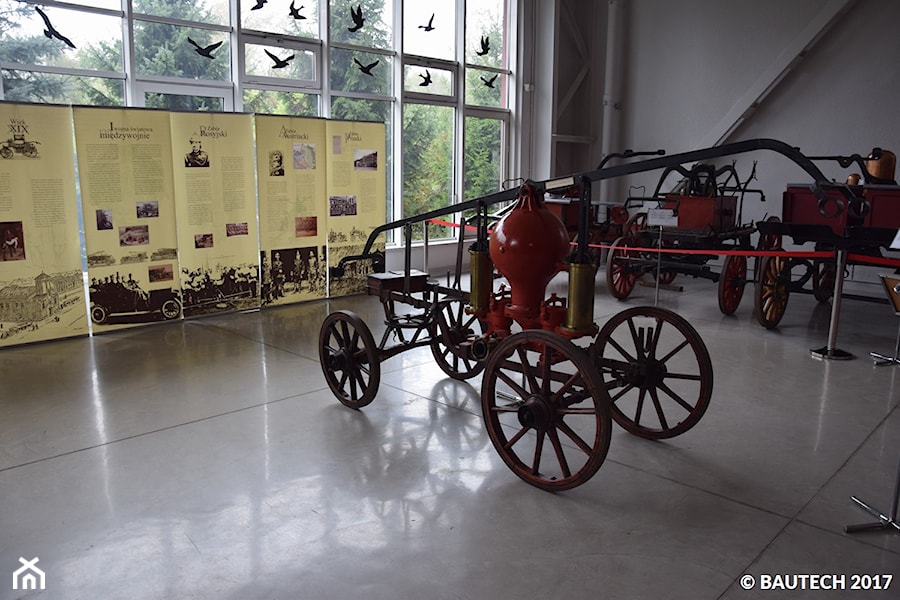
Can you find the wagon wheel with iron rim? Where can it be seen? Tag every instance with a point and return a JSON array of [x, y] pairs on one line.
[[731, 283], [823, 279], [635, 223], [546, 410], [621, 274], [766, 242], [656, 369], [772, 290], [349, 359], [449, 344], [665, 276]]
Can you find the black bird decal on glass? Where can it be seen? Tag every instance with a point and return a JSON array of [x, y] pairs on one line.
[[367, 69], [280, 62], [357, 17], [490, 82], [51, 32], [295, 12], [426, 79], [429, 26], [485, 46], [259, 4], [204, 50]]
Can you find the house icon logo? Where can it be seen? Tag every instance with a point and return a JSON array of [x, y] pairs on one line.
[[28, 576]]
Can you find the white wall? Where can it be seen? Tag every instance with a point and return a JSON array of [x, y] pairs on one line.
[[689, 62]]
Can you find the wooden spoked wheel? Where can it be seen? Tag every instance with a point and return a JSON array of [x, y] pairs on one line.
[[454, 329], [664, 276], [772, 290], [656, 369], [635, 223], [349, 359], [620, 273], [823, 280], [731, 283], [766, 242], [546, 410]]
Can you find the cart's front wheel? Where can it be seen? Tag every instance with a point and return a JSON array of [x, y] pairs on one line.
[[349, 359], [546, 410], [731, 283], [656, 369], [823, 280], [455, 329], [620, 274], [772, 290]]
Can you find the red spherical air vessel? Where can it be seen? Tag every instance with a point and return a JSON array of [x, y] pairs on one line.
[[528, 247]]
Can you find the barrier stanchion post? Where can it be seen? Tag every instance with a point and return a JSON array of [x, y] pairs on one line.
[[831, 351]]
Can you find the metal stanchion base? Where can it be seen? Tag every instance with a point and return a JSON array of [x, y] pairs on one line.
[[884, 522], [826, 353], [882, 359]]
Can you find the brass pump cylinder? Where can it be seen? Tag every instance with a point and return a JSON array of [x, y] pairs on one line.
[[481, 271], [883, 167], [580, 310]]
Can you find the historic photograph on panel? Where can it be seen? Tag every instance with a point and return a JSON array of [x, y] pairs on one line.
[[341, 206], [220, 287], [293, 272], [134, 235], [276, 163], [236, 229], [365, 160], [306, 226], [160, 273], [104, 219], [197, 157], [12, 235], [203, 240], [119, 299], [147, 209]]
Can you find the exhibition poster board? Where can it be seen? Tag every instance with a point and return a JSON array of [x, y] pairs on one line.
[[290, 160], [216, 216], [357, 202], [41, 282], [128, 206]]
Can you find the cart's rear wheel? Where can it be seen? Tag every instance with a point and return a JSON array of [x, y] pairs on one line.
[[731, 283], [637, 222], [766, 242], [772, 290], [656, 369], [620, 274], [455, 328], [349, 359], [823, 280], [546, 410]]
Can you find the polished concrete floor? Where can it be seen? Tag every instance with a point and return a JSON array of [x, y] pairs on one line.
[[208, 459]]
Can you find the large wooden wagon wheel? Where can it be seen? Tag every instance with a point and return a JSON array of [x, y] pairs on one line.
[[772, 290], [454, 329], [664, 276], [635, 223], [823, 279], [546, 410], [731, 283], [621, 274], [656, 369], [766, 242], [349, 358]]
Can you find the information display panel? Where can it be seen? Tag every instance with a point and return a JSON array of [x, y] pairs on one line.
[[41, 282], [356, 199], [128, 207], [215, 197], [290, 159]]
